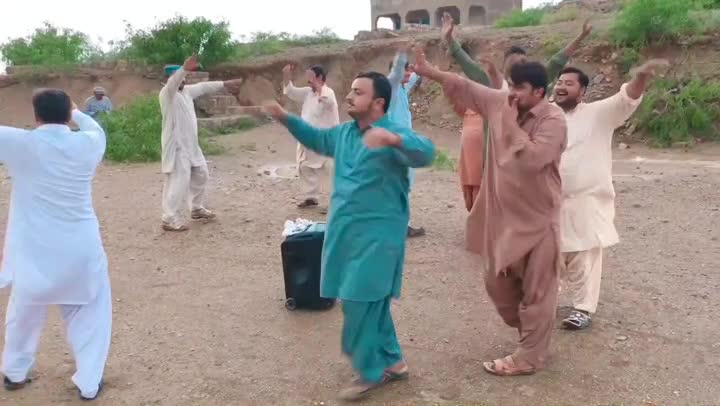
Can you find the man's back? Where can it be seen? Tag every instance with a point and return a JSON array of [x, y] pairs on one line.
[[53, 238]]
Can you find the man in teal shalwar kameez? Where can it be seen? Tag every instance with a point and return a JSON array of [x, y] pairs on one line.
[[364, 249]]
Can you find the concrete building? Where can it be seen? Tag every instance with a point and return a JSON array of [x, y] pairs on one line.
[[429, 12]]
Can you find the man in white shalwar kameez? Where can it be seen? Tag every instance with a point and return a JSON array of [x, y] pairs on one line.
[[183, 162], [320, 109], [588, 208], [53, 251]]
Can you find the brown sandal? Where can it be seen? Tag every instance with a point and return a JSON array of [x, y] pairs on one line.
[[506, 367]]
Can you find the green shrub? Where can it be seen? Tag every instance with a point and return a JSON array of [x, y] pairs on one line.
[[134, 132], [680, 112], [521, 18], [443, 161], [268, 43], [48, 46], [552, 46], [173, 40], [641, 22]]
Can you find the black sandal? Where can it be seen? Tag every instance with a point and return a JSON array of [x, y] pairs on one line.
[[577, 321], [100, 388], [13, 386]]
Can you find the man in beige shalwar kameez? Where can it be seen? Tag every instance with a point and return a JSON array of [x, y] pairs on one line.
[[514, 223], [588, 211]]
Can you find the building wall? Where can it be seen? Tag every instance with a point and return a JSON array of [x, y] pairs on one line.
[[461, 9]]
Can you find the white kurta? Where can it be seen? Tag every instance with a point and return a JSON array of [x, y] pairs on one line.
[[179, 128], [588, 212], [320, 110], [53, 251]]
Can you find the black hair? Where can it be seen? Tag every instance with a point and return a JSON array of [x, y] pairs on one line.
[[381, 87], [319, 71], [515, 50], [530, 72], [52, 106], [582, 77]]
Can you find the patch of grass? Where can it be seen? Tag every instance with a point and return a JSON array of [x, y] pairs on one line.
[[675, 111], [642, 22], [269, 43], [134, 132], [443, 162], [521, 18], [629, 58], [566, 13], [551, 46]]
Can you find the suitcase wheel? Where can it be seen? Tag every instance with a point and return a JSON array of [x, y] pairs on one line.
[[290, 304]]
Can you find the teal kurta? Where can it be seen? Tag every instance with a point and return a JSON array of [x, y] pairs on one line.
[[364, 246]]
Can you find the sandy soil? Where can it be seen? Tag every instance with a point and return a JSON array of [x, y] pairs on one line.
[[199, 317]]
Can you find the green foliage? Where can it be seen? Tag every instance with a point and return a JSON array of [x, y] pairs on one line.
[[521, 18], [566, 13], [443, 161], [641, 22], [680, 112], [552, 46], [709, 4], [134, 132], [48, 46], [268, 43], [629, 58], [172, 41]]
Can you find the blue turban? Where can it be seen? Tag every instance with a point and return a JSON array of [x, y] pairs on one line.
[[170, 69]]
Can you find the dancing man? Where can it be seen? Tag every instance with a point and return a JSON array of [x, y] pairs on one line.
[[320, 109], [403, 80], [514, 223], [183, 162], [364, 249], [472, 151], [588, 212], [53, 250]]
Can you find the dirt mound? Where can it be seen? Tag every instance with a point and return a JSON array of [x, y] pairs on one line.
[[15, 97]]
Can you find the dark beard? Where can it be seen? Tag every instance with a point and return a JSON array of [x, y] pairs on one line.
[[568, 104]]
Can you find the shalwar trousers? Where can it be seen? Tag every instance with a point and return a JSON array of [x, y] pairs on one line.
[[369, 339], [311, 177], [185, 186], [525, 295], [581, 276], [88, 330]]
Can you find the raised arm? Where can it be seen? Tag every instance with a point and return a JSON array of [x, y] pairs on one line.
[[296, 94], [618, 108], [319, 140], [88, 126], [173, 83], [545, 146], [558, 61], [463, 93], [205, 88], [471, 69], [398, 69]]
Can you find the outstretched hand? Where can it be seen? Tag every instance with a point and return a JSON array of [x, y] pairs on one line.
[[421, 66], [448, 28], [191, 63], [376, 137], [233, 86], [651, 67], [586, 28]]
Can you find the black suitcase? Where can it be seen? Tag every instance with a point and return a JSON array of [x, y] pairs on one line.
[[301, 258]]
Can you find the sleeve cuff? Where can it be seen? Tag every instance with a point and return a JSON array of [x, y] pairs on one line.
[[627, 99]]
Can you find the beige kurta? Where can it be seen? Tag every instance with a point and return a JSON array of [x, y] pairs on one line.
[[588, 213], [320, 110]]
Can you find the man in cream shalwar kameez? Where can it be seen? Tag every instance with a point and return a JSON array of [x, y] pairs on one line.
[[183, 162], [53, 250], [588, 212], [320, 109]]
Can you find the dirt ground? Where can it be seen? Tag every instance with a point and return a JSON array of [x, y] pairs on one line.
[[199, 316]]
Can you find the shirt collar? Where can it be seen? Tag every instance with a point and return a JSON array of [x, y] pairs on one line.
[[54, 127]]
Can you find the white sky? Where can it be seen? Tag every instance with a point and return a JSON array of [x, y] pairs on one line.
[[106, 19]]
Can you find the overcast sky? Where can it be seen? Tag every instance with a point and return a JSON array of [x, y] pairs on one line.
[[106, 19]]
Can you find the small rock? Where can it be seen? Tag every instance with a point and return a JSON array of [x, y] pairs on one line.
[[621, 338], [623, 145]]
